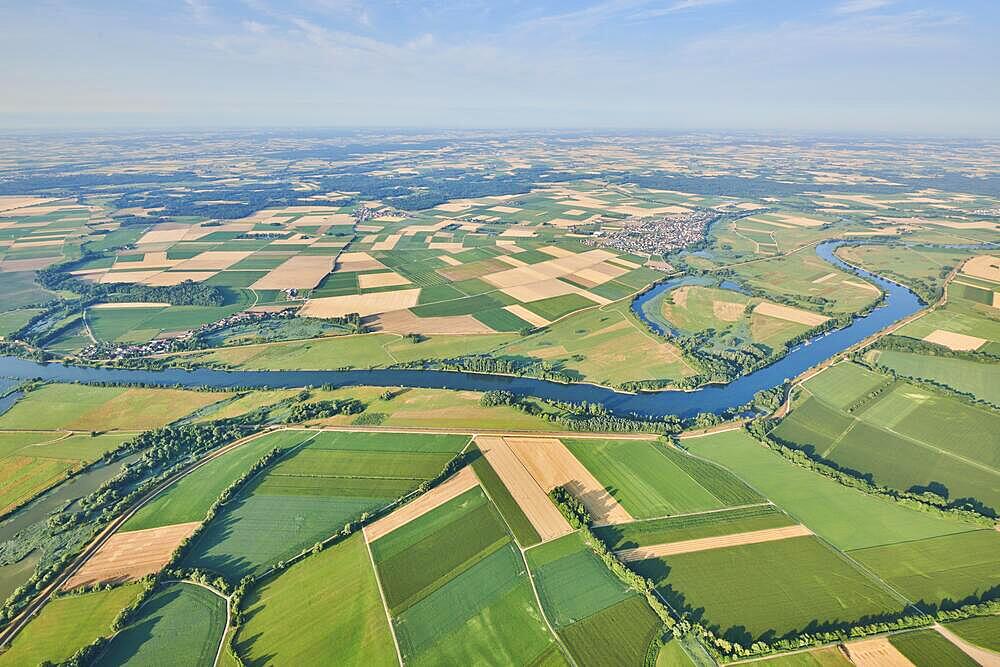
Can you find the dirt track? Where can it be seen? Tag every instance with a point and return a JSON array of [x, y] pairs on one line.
[[718, 542]]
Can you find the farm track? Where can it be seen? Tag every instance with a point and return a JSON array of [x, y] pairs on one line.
[[33, 607]]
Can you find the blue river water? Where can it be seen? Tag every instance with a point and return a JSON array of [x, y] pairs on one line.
[[899, 303]]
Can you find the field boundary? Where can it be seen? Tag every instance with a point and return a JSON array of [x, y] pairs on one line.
[[381, 595]]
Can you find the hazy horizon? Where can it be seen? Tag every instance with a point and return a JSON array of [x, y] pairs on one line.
[[848, 67]]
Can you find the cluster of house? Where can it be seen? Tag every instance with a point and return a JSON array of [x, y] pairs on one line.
[[657, 235]]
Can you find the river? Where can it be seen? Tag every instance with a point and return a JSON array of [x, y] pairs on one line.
[[900, 302]]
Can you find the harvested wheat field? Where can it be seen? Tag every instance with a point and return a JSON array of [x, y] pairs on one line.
[[164, 234], [955, 341], [372, 280], [405, 322], [718, 542], [150, 260], [362, 304], [299, 272], [177, 277], [388, 243], [823, 279], [8, 203], [790, 314], [526, 315], [876, 653], [986, 267], [448, 259], [529, 496], [727, 311], [459, 483], [800, 220], [357, 261], [213, 259], [552, 465], [132, 555]]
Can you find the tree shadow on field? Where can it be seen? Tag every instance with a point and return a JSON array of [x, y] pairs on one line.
[[127, 643]]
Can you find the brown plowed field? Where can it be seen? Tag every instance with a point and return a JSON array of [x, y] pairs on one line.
[[132, 555]]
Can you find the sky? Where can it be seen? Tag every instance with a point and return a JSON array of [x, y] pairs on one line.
[[926, 67]]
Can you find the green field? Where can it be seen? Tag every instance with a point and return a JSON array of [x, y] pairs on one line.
[[599, 618], [605, 345], [85, 408], [618, 635], [182, 621], [843, 383], [928, 648], [459, 597], [572, 581], [971, 377], [673, 655], [821, 657], [312, 493], [427, 443], [846, 517], [982, 631], [962, 316], [474, 534], [512, 514], [907, 437], [364, 351], [695, 526], [774, 588], [794, 276], [341, 621], [652, 479], [942, 571], [190, 498], [67, 624]]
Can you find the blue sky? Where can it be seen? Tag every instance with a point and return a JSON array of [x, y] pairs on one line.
[[900, 66]]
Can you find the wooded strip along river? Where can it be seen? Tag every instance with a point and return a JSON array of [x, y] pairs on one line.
[[900, 302]]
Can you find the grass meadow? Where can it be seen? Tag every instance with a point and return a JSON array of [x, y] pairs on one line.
[[942, 571], [908, 437], [692, 527], [846, 517], [770, 589], [67, 624], [183, 621], [651, 479], [190, 498], [929, 647], [85, 408], [311, 494], [971, 377], [341, 621], [982, 631]]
